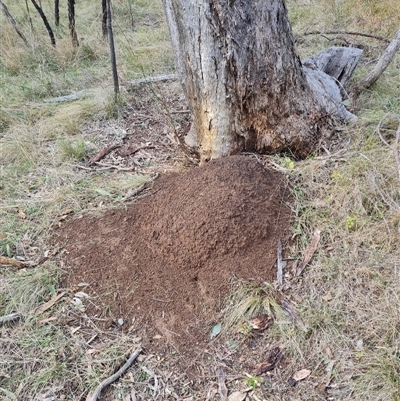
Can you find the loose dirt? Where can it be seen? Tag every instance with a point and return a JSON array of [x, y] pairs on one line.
[[162, 265]]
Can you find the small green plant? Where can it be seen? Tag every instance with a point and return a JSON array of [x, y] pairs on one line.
[[351, 221], [253, 381], [288, 163]]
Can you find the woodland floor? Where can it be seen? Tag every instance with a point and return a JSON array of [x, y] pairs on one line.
[[161, 267]]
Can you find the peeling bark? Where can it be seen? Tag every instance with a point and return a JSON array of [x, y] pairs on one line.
[[244, 81]]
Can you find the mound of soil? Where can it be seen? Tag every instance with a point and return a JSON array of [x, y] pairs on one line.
[[165, 262]]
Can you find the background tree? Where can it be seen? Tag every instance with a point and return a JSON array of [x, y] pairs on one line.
[[71, 19], [244, 81], [104, 18], [112, 50], [46, 22], [57, 12], [13, 22]]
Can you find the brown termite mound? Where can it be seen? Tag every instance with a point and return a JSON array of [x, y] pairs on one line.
[[163, 265]]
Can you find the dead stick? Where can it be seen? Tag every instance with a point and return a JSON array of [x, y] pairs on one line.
[[104, 152], [116, 375], [367, 35], [10, 318], [11, 262], [383, 62]]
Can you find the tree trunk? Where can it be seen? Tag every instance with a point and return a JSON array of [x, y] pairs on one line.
[[104, 18], [112, 50], [71, 18], [13, 23], [245, 83], [57, 12], [46, 22]]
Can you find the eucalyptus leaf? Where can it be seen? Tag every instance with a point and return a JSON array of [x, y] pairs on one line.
[[216, 330]]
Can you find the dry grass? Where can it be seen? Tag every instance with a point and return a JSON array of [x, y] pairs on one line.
[[348, 295]]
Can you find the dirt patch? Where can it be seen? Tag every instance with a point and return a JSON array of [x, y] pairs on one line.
[[164, 264]]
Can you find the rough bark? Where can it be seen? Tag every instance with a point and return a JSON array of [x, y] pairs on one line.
[[71, 19], [383, 62], [245, 84], [46, 22], [13, 23]]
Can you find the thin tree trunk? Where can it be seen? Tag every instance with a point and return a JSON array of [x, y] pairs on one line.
[[112, 50], [13, 22], [46, 22], [57, 12], [30, 20], [383, 62], [104, 18], [71, 18], [132, 16]]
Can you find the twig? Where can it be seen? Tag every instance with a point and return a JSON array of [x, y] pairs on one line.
[[116, 375], [367, 35], [10, 318], [110, 167], [104, 152], [134, 192]]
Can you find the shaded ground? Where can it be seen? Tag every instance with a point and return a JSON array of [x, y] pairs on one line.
[[163, 265]]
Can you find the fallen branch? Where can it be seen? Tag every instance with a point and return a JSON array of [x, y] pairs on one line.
[[10, 318], [383, 62], [115, 376], [104, 152], [394, 148], [66, 98], [148, 80], [367, 35]]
